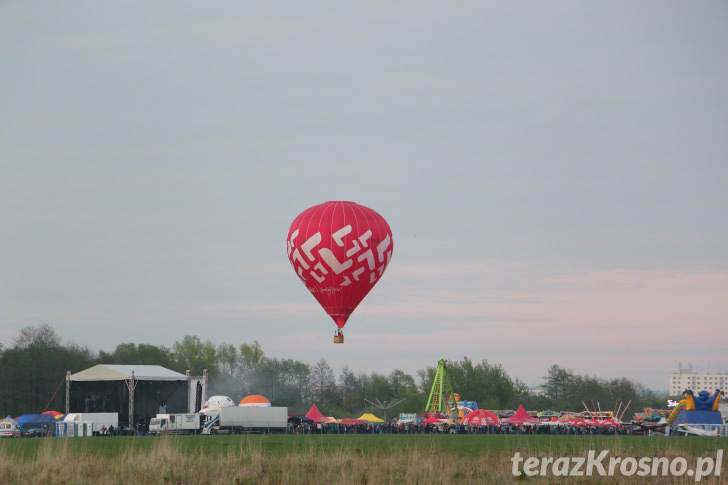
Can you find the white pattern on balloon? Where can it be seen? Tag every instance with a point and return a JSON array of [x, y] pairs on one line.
[[309, 264]]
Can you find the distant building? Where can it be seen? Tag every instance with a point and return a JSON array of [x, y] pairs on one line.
[[537, 391], [689, 379]]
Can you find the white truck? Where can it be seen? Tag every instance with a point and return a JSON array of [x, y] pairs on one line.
[[175, 424], [234, 420]]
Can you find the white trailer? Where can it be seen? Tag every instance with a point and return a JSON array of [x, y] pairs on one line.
[[234, 419], [100, 422], [175, 424]]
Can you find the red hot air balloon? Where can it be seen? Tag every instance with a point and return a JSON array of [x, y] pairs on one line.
[[339, 250]]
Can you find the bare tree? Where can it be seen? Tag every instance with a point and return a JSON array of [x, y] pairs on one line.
[[322, 380], [42, 335], [228, 359]]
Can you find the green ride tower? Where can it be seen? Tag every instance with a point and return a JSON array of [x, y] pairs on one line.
[[441, 393]]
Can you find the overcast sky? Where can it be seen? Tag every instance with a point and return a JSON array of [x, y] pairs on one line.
[[555, 175]]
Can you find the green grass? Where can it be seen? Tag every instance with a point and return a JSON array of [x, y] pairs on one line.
[[462, 445], [315, 459]]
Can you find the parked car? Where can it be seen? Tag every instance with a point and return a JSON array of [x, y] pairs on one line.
[[33, 432]]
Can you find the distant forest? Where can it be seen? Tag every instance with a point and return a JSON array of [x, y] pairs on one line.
[[33, 373]]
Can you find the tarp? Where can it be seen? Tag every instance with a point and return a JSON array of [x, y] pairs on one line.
[[43, 421], [21, 420], [371, 418], [218, 402], [57, 415], [521, 417], [108, 372], [45, 418], [299, 419], [316, 415], [481, 417]]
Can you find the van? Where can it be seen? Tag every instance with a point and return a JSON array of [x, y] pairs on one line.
[[9, 429]]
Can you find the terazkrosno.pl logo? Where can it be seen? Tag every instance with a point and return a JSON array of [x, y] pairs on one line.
[[603, 465]]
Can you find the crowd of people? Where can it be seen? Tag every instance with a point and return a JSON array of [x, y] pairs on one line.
[[418, 428]]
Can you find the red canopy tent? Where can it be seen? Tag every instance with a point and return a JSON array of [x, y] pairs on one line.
[[435, 415], [522, 417], [480, 417], [354, 421], [432, 420], [316, 415]]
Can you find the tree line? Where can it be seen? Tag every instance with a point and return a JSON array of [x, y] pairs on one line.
[[33, 369]]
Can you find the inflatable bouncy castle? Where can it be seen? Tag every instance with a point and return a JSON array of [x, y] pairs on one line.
[[700, 409], [704, 402]]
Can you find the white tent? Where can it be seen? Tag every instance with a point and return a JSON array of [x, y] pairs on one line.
[[109, 372]]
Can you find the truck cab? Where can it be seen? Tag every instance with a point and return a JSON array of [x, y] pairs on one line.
[[175, 424], [157, 425]]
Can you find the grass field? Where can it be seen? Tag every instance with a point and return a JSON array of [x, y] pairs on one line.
[[329, 459]]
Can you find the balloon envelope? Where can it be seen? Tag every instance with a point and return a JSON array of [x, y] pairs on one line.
[[339, 250], [218, 402], [254, 401]]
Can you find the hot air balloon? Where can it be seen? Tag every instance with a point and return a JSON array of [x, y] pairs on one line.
[[339, 250]]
